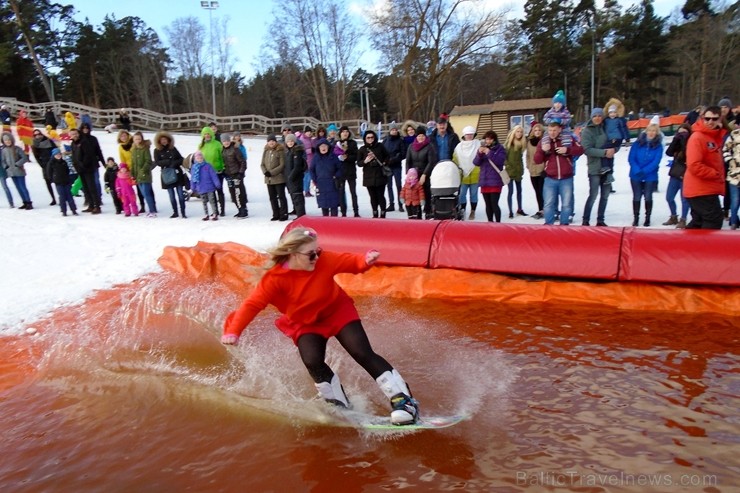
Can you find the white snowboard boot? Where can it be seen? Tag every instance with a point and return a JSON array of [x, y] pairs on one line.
[[333, 392], [405, 408]]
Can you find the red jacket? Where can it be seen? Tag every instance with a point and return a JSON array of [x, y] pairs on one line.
[[558, 166], [705, 168], [305, 297]]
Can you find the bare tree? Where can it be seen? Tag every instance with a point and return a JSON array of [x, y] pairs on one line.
[[425, 39], [320, 39], [188, 50]]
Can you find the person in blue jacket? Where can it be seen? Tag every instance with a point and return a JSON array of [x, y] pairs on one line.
[[644, 160], [326, 171]]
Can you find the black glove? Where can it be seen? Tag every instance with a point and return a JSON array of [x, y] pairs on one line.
[[267, 174]]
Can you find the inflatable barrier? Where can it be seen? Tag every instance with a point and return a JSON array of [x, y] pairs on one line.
[[622, 254], [625, 268]]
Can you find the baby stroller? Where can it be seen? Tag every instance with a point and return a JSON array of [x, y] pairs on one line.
[[445, 185]]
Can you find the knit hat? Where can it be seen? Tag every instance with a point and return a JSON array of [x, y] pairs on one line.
[[725, 102], [559, 97], [558, 122], [331, 128], [225, 137], [198, 154], [613, 108], [307, 128], [469, 130], [393, 126], [430, 124], [655, 120], [421, 130], [290, 138], [343, 128], [598, 112], [54, 152], [125, 166], [271, 137], [442, 119], [287, 126]]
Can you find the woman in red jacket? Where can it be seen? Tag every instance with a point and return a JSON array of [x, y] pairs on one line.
[[300, 283]]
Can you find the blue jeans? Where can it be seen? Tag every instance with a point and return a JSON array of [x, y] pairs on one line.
[[306, 182], [734, 204], [146, 190], [675, 186], [554, 190], [473, 187], [396, 176], [597, 186], [643, 189], [8, 195], [518, 185], [20, 185]]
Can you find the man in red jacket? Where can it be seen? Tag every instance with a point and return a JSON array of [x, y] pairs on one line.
[[704, 180]]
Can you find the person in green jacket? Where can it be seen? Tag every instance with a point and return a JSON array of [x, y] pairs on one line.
[[211, 149], [141, 170], [515, 145]]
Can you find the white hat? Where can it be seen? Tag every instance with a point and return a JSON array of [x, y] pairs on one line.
[[613, 108], [469, 130], [655, 120]]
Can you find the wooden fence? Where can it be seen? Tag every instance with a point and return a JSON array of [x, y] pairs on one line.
[[142, 119]]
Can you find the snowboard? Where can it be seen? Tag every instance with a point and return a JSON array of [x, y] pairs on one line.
[[383, 423]]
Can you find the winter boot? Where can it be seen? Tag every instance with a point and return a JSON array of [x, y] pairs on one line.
[[405, 408], [473, 206], [28, 205], [174, 215], [375, 214], [182, 212], [333, 392], [648, 212], [382, 214], [400, 207], [681, 224], [636, 213], [390, 208], [671, 220]]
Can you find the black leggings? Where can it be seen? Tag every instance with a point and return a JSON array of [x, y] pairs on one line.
[[492, 208], [353, 339]]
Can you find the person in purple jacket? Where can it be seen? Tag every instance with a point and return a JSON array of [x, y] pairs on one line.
[[491, 158], [204, 180]]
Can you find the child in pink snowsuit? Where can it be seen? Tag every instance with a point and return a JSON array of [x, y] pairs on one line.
[[125, 190]]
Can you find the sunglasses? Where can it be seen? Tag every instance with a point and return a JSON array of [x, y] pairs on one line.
[[312, 256], [711, 118]]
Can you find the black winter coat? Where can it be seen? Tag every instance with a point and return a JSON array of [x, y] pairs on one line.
[[349, 165], [170, 157], [295, 167], [372, 172], [58, 171], [86, 154], [396, 150]]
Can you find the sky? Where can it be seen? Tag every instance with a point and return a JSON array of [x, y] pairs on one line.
[[64, 259], [250, 20]]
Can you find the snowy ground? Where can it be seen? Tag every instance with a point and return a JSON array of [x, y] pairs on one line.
[[52, 260]]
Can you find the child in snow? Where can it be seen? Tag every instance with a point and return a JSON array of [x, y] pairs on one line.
[[125, 191], [615, 127], [205, 182], [110, 177], [58, 171], [412, 194], [559, 113]]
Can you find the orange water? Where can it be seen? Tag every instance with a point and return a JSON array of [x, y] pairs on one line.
[[133, 392]]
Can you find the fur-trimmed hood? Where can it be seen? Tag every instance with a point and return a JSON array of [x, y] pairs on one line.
[[158, 136], [617, 103]]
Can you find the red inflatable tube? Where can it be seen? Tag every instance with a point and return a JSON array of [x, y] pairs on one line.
[[682, 257], [621, 254], [533, 250]]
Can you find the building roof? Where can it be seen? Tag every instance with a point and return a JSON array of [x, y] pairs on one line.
[[499, 106]]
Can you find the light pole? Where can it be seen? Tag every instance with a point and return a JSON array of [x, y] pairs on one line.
[[210, 6]]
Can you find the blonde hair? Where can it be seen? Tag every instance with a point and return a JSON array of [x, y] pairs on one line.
[[653, 126], [512, 141], [290, 243]]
